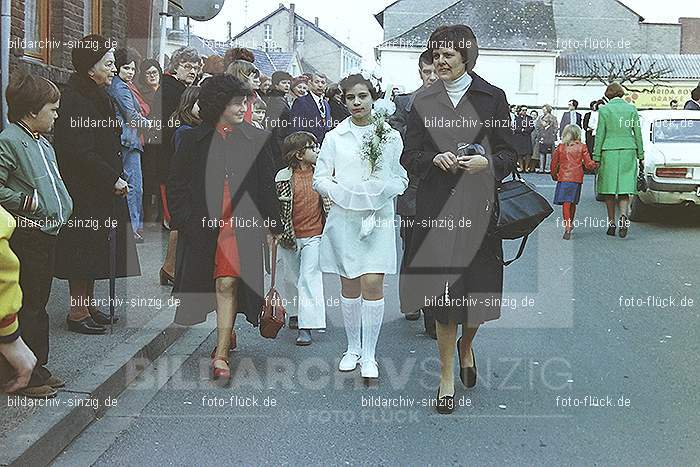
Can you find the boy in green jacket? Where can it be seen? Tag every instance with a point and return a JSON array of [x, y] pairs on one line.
[[32, 190]]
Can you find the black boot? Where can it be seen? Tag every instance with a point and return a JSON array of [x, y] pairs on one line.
[[429, 322]]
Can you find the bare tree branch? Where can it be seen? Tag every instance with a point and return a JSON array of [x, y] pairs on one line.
[[630, 73]]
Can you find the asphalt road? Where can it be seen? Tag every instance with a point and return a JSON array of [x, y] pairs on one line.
[[577, 327]]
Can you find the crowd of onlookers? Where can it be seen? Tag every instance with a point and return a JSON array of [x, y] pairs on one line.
[[536, 135], [538, 138], [137, 145], [121, 119]]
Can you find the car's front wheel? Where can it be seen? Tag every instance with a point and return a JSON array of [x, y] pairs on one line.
[[640, 212]]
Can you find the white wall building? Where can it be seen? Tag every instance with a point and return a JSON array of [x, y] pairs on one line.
[[520, 48], [527, 77], [516, 46]]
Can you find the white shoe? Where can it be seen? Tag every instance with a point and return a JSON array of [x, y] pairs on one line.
[[369, 369], [349, 361]]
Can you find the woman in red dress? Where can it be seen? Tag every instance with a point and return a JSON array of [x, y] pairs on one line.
[[223, 202]]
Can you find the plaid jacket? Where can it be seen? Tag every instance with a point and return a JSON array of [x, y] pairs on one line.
[[283, 182]]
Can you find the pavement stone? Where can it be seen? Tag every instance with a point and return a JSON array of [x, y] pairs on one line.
[[96, 368]]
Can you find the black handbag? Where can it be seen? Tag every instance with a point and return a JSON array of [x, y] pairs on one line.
[[641, 180], [521, 209]]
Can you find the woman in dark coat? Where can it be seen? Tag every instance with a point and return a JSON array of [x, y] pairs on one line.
[[149, 83], [223, 203], [454, 266], [87, 142], [522, 138], [182, 72]]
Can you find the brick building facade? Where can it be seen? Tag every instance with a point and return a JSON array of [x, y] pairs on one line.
[[58, 23]]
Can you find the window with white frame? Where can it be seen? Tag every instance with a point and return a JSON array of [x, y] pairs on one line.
[[299, 33], [527, 78], [268, 33]]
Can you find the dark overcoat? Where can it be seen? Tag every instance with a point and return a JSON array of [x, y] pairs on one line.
[[522, 137], [87, 143], [168, 97], [195, 195], [277, 119], [451, 242]]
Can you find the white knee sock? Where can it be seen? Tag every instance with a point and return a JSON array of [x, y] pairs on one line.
[[352, 318], [372, 315]]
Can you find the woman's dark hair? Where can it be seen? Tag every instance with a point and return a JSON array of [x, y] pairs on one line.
[[459, 37], [695, 94], [27, 94], [238, 53], [614, 90], [293, 144], [426, 58], [350, 81], [216, 95], [126, 55], [333, 90], [183, 113], [145, 65]]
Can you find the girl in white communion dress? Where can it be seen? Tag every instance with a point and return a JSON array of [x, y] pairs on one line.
[[358, 168]]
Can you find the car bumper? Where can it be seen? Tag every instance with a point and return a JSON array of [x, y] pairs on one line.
[[670, 193]]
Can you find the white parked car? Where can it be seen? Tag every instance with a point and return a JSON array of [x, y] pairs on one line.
[[671, 160]]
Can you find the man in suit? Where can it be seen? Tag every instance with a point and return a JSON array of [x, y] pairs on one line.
[[404, 102], [694, 102], [570, 117], [406, 204], [311, 112]]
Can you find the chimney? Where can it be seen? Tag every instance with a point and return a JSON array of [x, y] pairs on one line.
[[229, 34], [291, 38], [690, 35], [316, 21]]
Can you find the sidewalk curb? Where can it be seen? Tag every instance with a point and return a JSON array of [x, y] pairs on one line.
[[43, 436]]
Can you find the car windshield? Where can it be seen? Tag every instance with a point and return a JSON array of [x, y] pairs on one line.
[[676, 131]]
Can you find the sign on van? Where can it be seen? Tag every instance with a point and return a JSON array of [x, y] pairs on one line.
[[659, 98]]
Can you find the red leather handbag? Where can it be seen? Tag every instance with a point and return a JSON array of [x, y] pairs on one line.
[[272, 314]]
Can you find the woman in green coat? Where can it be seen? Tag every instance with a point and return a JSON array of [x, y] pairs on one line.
[[618, 147]]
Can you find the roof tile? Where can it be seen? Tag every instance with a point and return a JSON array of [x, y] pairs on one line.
[[497, 24]]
